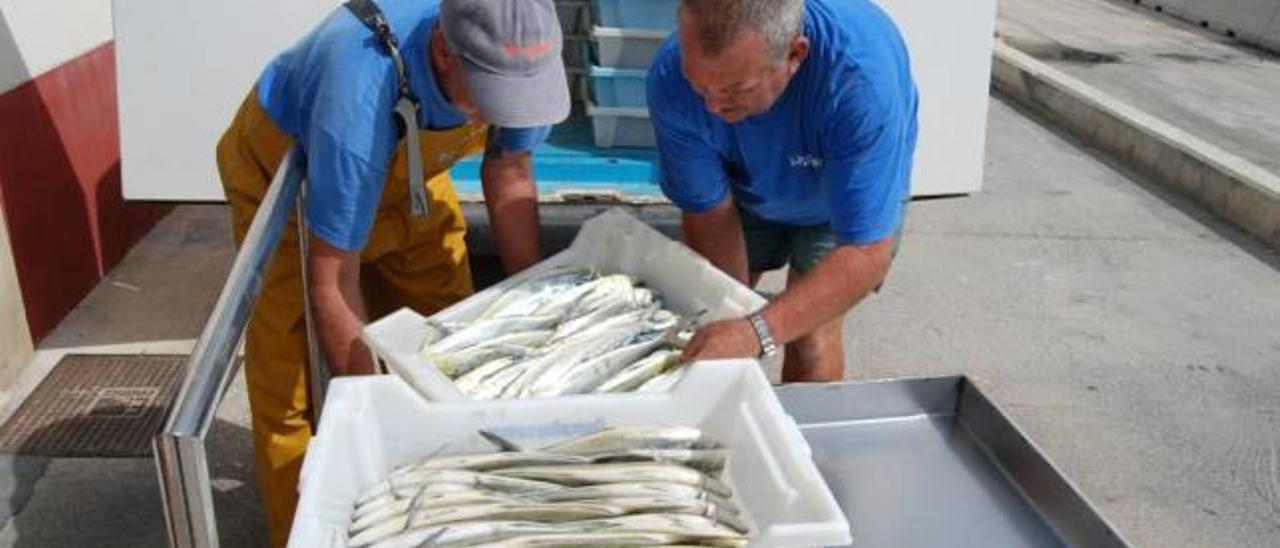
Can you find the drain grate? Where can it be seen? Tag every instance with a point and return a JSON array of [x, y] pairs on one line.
[[96, 406]]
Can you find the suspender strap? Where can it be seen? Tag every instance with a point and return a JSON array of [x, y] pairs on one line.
[[407, 104], [372, 17]]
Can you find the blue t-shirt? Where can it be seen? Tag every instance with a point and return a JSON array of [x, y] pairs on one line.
[[835, 148], [335, 92]]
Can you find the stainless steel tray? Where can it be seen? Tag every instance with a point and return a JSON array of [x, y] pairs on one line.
[[933, 463]]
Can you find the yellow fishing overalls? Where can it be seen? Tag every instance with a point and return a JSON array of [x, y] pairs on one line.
[[408, 261]]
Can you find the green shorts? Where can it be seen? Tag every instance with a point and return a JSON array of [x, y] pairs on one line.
[[771, 245]]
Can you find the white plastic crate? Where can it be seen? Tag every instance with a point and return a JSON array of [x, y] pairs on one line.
[[626, 48], [372, 425], [612, 242], [621, 127]]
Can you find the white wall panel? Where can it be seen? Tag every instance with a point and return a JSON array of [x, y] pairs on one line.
[[43, 34], [183, 67], [15, 338], [950, 44], [180, 83]]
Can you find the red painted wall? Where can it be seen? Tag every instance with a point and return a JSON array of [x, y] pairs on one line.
[[60, 185]]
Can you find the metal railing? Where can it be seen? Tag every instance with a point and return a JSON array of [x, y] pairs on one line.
[[181, 459]]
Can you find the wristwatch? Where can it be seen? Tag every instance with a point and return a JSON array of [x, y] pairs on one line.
[[768, 348]]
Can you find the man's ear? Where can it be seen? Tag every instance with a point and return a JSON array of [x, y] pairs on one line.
[[796, 55], [440, 53]]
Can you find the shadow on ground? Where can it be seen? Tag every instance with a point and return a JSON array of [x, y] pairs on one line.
[[108, 503]]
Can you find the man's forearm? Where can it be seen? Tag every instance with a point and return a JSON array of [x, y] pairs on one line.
[[511, 198], [338, 309], [838, 283], [717, 235]]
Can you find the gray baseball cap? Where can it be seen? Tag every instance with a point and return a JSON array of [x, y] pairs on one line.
[[510, 56]]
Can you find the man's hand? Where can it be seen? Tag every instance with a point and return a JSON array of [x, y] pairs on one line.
[[723, 340]]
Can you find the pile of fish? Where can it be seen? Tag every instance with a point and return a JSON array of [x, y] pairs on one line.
[[627, 486], [568, 330]]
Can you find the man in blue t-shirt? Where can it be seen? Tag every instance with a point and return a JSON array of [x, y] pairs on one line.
[[488, 77], [786, 131]]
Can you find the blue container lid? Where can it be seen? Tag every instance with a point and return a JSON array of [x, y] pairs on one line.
[[569, 159]]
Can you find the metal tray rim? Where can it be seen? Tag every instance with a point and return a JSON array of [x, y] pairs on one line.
[[1020, 461]]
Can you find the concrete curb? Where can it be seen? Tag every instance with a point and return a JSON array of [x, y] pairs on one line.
[[1227, 185]]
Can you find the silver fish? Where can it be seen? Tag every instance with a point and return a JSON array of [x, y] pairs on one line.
[[688, 527], [573, 351], [383, 493], [607, 491], [520, 344], [411, 483], [454, 365], [540, 512], [588, 474], [527, 296], [583, 539], [493, 461], [626, 438], [666, 505], [485, 330], [608, 311], [569, 303], [665, 381], [586, 376], [455, 534], [546, 378], [638, 373], [711, 461], [471, 381], [419, 503], [433, 331], [495, 386]]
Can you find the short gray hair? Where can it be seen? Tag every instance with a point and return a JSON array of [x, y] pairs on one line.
[[718, 22]]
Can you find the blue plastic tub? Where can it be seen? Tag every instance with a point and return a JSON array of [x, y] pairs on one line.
[[570, 160], [638, 14], [613, 87]]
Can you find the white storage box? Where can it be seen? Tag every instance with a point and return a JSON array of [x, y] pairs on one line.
[[612, 242], [372, 425], [626, 48], [621, 127]]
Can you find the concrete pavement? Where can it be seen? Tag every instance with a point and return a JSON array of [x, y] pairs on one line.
[[1204, 83], [1131, 336], [1158, 131], [155, 301]]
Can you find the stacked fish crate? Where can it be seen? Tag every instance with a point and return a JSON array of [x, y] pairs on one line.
[[575, 25], [628, 34], [708, 459]]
